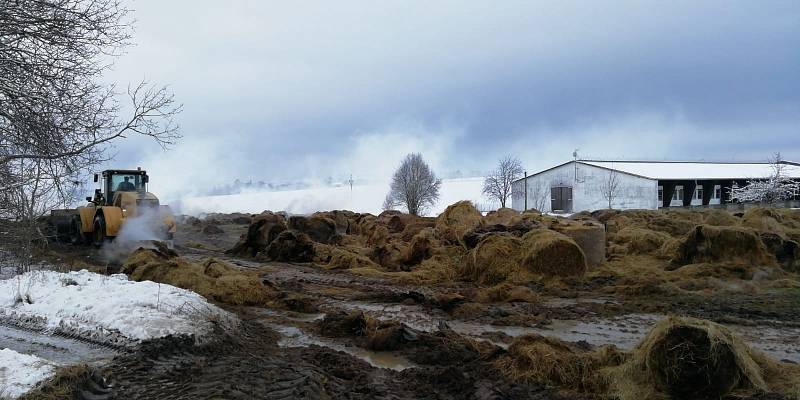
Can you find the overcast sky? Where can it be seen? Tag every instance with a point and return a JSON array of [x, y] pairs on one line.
[[285, 90]]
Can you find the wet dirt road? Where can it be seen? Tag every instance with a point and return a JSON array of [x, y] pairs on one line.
[[583, 319], [60, 350]]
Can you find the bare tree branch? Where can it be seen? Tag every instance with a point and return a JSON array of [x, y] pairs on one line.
[[57, 117], [610, 187], [498, 185]]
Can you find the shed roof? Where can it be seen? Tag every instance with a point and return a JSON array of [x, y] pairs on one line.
[[689, 170]]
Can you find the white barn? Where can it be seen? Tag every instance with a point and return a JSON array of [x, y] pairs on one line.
[[588, 185]]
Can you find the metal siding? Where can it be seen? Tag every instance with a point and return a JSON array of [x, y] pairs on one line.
[[634, 192]]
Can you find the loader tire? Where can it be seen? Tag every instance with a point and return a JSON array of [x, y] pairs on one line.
[[76, 235], [99, 235]]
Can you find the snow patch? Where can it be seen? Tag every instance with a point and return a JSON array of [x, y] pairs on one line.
[[20, 373], [365, 198], [109, 309]]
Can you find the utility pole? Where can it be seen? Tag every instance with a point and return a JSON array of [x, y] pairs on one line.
[[351, 184], [525, 173], [575, 163]]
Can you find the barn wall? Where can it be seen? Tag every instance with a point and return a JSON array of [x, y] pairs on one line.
[[633, 192]]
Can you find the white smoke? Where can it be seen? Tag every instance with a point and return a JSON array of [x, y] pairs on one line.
[[138, 231]]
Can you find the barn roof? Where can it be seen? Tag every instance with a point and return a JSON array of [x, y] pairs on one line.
[[689, 170]]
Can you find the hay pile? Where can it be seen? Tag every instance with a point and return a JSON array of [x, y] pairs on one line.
[[289, 246], [494, 260], [331, 257], [764, 219], [670, 222], [503, 257], [550, 253], [456, 220], [342, 324], [263, 229], [211, 229], [786, 251], [590, 236], [640, 241], [503, 216], [679, 358], [213, 279], [343, 220], [556, 363], [318, 227], [691, 358], [422, 246], [722, 244], [717, 217]]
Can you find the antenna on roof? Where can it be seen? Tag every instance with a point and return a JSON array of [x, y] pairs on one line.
[[575, 155]]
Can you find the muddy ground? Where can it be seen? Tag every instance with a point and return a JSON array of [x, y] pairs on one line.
[[284, 352]]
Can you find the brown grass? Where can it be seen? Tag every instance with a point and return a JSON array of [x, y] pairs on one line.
[[66, 384]]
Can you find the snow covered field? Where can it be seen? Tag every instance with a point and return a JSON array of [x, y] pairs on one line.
[[19, 373], [363, 198], [106, 308]]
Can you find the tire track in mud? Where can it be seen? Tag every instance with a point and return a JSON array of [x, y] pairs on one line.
[[64, 334], [244, 367], [250, 365]]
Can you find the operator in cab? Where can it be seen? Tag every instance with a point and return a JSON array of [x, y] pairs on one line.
[[126, 186]]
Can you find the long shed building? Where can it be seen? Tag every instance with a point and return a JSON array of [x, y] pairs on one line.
[[588, 185]]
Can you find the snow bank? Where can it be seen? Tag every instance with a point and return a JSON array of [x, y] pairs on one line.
[[363, 198], [19, 373], [110, 309]]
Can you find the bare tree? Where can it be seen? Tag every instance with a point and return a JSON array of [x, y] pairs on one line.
[[414, 186], [57, 117], [610, 187], [539, 194], [498, 184], [777, 187]]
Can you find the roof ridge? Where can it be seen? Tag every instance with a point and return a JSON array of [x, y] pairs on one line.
[[683, 161]]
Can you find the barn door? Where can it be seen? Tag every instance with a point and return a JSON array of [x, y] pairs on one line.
[[561, 199]]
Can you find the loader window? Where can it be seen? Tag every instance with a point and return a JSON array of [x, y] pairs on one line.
[[126, 183]]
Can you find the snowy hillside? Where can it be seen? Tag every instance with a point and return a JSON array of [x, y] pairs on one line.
[[363, 198]]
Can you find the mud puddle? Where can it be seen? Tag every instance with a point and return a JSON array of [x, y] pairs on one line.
[[57, 349], [295, 336], [624, 331]]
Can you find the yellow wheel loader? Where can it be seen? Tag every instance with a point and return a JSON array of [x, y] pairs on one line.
[[122, 200]]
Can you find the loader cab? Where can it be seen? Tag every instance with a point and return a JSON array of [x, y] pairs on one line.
[[114, 181]]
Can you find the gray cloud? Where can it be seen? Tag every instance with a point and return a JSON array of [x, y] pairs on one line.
[[289, 89]]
